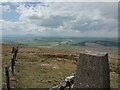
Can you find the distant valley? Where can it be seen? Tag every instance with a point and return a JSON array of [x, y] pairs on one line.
[[61, 41]]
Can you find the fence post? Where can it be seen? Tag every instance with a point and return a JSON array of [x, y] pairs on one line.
[[12, 66], [92, 71], [14, 59], [13, 50], [16, 51], [7, 78]]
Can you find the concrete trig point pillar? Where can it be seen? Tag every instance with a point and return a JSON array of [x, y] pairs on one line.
[[92, 70]]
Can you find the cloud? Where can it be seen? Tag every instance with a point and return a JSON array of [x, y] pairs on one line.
[[55, 21], [6, 8], [65, 19]]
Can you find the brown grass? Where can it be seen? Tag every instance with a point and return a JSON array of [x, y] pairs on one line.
[[38, 67]]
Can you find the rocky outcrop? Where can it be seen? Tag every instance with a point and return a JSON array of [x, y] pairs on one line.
[[67, 84]]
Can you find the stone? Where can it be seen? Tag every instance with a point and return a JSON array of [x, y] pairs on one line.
[[49, 81], [92, 70]]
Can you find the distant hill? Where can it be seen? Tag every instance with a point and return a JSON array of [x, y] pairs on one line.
[[100, 42], [31, 39]]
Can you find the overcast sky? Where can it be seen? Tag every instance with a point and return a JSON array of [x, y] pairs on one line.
[[60, 19]]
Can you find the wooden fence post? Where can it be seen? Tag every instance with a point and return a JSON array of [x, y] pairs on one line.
[[16, 51], [14, 59], [7, 78], [13, 50], [12, 66]]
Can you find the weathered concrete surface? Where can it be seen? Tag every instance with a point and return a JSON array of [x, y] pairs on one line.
[[92, 70]]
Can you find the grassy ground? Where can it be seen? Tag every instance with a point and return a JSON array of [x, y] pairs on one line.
[[38, 67], [0, 67]]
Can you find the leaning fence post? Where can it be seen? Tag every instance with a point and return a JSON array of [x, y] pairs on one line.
[[92, 70], [13, 60], [13, 50], [7, 78], [16, 51], [12, 66]]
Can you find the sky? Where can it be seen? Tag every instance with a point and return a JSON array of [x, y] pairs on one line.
[[62, 19]]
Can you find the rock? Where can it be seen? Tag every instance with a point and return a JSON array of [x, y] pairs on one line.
[[49, 81], [67, 83], [69, 78], [55, 67], [92, 70]]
